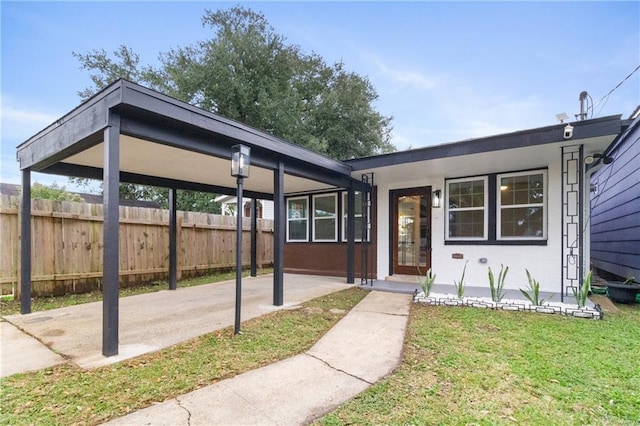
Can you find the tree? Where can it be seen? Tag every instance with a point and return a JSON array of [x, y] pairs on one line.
[[248, 72], [53, 192]]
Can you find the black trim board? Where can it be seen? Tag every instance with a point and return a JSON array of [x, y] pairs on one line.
[[75, 170], [611, 125]]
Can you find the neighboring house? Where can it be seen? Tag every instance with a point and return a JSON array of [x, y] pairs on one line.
[[228, 206], [615, 208]]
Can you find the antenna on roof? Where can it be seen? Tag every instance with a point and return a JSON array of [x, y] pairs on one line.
[[583, 113]]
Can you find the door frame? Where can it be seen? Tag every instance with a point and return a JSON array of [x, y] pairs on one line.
[[393, 226]]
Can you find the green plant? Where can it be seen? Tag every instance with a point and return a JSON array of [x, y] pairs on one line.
[[630, 279], [497, 291], [533, 295], [427, 281], [460, 284], [582, 293]]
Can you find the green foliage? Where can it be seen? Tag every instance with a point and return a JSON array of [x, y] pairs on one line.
[[490, 367], [459, 285], [533, 295], [248, 72], [53, 192], [497, 291], [203, 202], [427, 281], [583, 292]]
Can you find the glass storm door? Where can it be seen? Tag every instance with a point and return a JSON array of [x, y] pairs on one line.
[[411, 243]]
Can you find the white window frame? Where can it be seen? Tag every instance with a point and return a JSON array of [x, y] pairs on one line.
[[544, 204], [485, 180], [344, 217], [334, 217], [306, 219]]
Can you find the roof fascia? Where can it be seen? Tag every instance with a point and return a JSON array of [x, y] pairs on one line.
[[72, 133], [201, 143], [177, 111], [526, 138]]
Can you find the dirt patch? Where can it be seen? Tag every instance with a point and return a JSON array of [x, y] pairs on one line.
[[605, 303]]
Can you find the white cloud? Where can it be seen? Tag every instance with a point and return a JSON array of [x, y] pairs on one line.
[[404, 77], [21, 121]]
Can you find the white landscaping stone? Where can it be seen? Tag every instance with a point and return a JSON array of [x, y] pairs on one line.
[[508, 305]]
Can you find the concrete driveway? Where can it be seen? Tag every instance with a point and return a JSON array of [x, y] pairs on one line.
[[148, 322]]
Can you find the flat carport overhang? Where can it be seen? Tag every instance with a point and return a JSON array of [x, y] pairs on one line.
[[128, 133]]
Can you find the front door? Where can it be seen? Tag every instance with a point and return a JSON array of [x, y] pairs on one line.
[[411, 239]]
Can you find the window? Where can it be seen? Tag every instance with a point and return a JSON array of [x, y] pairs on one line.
[[357, 214], [467, 209], [297, 219], [325, 217], [521, 211]]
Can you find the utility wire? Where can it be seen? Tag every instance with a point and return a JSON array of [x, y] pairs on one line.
[[606, 97]]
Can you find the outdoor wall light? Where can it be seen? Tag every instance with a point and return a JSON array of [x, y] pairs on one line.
[[240, 161], [436, 199], [592, 158]]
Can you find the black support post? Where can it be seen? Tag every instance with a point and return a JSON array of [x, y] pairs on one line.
[[173, 240], [110, 280], [25, 244], [351, 231], [254, 237], [278, 235], [239, 214]]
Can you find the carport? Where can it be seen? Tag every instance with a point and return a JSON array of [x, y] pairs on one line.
[[128, 133]]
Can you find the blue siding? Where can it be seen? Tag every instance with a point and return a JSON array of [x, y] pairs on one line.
[[615, 209]]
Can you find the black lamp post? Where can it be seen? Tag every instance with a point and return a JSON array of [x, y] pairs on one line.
[[240, 161]]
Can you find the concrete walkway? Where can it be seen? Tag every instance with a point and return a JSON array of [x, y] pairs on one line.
[[148, 322], [362, 348]]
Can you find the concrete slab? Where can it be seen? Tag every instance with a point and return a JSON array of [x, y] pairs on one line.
[[363, 347], [285, 393], [153, 321], [20, 353], [369, 340]]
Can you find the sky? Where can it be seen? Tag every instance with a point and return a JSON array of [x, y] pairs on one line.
[[445, 71]]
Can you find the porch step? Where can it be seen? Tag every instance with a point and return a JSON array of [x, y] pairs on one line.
[[402, 278]]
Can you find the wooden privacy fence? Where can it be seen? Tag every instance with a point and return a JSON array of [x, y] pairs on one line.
[[67, 245]]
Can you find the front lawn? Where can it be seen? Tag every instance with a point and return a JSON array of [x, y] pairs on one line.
[[66, 394], [474, 366]]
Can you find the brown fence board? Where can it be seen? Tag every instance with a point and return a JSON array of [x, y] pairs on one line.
[[67, 244]]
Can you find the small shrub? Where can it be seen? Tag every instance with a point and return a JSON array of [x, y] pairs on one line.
[[460, 284], [427, 281], [533, 295], [497, 291], [583, 292]]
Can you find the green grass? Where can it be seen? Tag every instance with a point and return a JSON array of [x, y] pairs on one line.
[[68, 395], [473, 366], [9, 306]]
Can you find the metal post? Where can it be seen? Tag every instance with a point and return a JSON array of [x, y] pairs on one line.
[[173, 241], [351, 232], [25, 244], [239, 213], [254, 237], [111, 184], [278, 235]]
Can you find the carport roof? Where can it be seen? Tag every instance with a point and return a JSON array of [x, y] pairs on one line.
[[169, 143]]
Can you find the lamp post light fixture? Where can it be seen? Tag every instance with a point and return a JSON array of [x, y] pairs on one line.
[[436, 199], [240, 162]]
